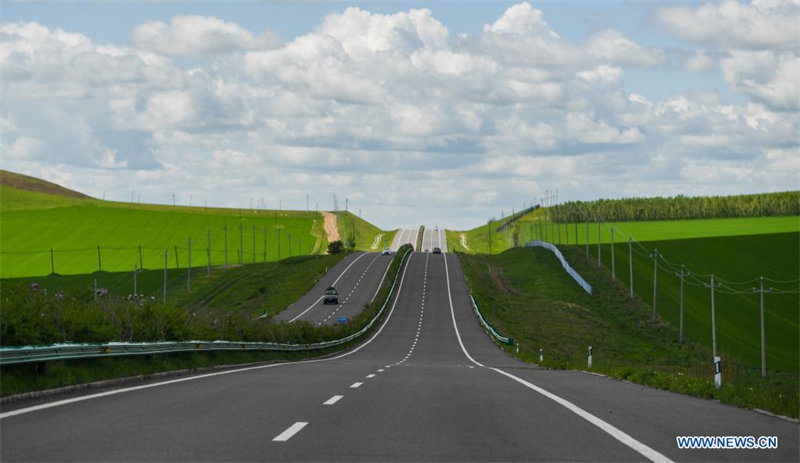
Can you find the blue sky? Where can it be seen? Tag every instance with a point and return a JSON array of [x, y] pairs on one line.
[[419, 112]]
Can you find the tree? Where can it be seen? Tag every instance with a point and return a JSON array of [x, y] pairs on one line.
[[335, 247]]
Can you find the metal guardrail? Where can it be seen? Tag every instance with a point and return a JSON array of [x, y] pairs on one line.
[[500, 338], [571, 271], [28, 354]]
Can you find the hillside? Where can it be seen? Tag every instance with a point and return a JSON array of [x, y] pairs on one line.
[[527, 296], [43, 231], [36, 185]]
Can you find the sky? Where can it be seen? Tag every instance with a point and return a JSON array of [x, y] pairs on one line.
[[437, 113]]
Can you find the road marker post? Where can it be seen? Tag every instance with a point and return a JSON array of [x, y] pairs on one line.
[[541, 355], [590, 357], [718, 372]]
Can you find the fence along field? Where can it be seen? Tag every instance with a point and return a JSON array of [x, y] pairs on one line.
[[67, 233]]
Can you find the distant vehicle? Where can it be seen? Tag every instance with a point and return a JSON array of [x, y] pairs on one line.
[[387, 252], [437, 251], [331, 296]]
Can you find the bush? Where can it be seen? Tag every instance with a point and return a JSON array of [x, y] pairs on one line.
[[335, 247]]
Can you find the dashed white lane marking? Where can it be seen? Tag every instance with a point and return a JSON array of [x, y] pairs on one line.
[[371, 375], [290, 432], [332, 284], [421, 316], [351, 291], [381, 370], [355, 385], [333, 400]]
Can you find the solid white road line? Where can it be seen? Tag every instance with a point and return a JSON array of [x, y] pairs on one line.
[[290, 432], [332, 284], [58, 403], [333, 400], [644, 450]]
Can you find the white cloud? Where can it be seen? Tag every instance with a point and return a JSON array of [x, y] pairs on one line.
[[760, 43], [730, 24], [766, 76], [199, 35], [386, 109]]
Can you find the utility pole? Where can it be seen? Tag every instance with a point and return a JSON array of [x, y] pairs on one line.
[[135, 283], [630, 261], [254, 244], [680, 330], [189, 268], [717, 359], [208, 254], [599, 239], [613, 261], [225, 227], [763, 335], [166, 263], [655, 283], [241, 243]]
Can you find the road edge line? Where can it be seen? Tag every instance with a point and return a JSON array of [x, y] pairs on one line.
[[643, 449]]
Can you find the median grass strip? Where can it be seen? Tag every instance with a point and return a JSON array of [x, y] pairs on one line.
[[526, 294]]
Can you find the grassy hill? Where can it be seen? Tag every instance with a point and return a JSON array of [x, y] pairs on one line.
[[37, 216], [365, 233], [734, 249], [526, 295]]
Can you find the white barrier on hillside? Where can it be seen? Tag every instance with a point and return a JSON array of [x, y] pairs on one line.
[[575, 275]]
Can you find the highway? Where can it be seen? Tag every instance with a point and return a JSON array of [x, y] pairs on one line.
[[357, 278], [434, 238], [404, 236], [429, 385]]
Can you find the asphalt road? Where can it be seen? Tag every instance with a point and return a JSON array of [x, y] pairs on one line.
[[428, 386], [404, 236], [357, 278], [434, 238]]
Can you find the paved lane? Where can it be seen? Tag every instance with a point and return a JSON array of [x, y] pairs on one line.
[[434, 238], [357, 278], [404, 236], [429, 385]]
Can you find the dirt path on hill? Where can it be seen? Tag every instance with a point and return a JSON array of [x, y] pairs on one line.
[[331, 226]]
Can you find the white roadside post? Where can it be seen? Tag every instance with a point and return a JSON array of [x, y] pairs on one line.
[[717, 360], [541, 355], [590, 357]]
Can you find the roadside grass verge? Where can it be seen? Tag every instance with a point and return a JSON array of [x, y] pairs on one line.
[[153, 322], [222, 306], [526, 295]]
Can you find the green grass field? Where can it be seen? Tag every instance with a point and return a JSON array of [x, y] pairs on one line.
[[365, 232], [32, 222], [526, 295], [738, 262], [735, 250]]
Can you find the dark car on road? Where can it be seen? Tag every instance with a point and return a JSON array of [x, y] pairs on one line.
[[331, 296], [437, 250]]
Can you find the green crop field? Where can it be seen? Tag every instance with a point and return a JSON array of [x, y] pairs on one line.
[[737, 262], [735, 250], [46, 217]]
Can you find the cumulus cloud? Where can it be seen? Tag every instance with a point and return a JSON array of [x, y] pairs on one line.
[[386, 109], [199, 35], [760, 42], [730, 24]]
